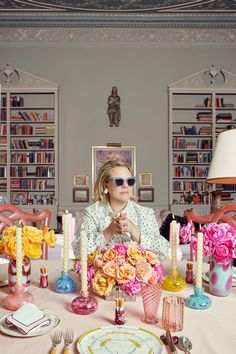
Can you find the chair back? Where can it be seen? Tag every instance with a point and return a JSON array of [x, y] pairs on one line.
[[9, 214]]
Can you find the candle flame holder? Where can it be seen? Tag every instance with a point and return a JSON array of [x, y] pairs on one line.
[[14, 301], [84, 304], [173, 282], [65, 284], [198, 301]]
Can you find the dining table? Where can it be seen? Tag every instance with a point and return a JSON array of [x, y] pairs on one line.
[[211, 331]]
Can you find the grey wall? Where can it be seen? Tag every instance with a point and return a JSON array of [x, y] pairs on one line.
[[85, 75]]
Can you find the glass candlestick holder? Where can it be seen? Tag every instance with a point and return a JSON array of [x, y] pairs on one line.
[[65, 284], [84, 304], [198, 300], [14, 301], [173, 282]]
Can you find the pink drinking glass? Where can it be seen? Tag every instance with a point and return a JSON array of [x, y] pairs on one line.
[[173, 313]]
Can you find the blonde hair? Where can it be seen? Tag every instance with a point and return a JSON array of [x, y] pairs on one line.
[[103, 178]]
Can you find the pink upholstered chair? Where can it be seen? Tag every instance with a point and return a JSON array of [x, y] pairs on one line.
[[9, 214]]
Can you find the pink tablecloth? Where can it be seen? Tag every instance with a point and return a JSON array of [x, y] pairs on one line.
[[212, 331]]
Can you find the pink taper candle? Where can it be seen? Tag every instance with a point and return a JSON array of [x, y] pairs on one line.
[[199, 260], [83, 257], [19, 255]]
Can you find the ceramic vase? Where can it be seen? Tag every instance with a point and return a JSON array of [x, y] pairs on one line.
[[151, 296], [26, 272], [220, 278]]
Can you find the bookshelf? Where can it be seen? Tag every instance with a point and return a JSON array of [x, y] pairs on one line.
[[200, 107], [28, 141]]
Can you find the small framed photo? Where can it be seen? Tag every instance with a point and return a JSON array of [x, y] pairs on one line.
[[145, 179], [146, 195], [80, 195], [80, 180], [19, 198]]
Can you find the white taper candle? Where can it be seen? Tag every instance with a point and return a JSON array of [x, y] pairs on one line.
[[19, 255], [173, 239], [65, 225], [199, 260], [83, 257]]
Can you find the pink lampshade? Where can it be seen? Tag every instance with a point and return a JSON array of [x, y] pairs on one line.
[[223, 164]]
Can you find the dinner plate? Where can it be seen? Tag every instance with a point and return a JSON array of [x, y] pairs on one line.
[[115, 339], [54, 322], [205, 277]]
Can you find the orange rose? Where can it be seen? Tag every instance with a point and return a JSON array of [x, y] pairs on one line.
[[92, 255], [153, 278], [135, 255], [102, 284], [110, 254], [111, 269], [151, 257], [98, 261], [143, 271], [125, 273]]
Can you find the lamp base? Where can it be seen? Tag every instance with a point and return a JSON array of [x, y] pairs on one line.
[[14, 301], [198, 300], [65, 284], [84, 304]]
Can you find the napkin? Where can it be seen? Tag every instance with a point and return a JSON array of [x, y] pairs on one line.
[[27, 318]]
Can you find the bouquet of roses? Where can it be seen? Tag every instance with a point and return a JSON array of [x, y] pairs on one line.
[[219, 241], [127, 265], [32, 238]]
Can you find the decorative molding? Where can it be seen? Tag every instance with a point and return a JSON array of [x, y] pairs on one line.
[[119, 36]]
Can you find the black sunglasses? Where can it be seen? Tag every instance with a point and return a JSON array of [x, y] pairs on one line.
[[119, 181]]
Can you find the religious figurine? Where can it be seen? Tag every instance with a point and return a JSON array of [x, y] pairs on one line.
[[113, 109]]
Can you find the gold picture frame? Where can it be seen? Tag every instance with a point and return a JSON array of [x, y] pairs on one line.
[[101, 154], [80, 180], [146, 195], [145, 179]]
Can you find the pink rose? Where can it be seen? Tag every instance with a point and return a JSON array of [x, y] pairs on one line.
[[223, 252], [122, 249], [186, 232], [133, 287]]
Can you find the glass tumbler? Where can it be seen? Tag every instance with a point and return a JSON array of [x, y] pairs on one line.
[[173, 313]]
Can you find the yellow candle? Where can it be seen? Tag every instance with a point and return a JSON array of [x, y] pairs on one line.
[[199, 260], [65, 224], [83, 257], [19, 255]]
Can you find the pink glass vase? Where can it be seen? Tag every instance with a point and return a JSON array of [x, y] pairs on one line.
[[151, 296], [26, 271]]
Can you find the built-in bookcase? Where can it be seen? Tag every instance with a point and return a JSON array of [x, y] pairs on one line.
[[200, 107], [28, 141]]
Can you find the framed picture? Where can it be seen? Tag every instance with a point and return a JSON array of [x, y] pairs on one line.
[[80, 195], [146, 194], [80, 180], [19, 198], [101, 154], [145, 179]]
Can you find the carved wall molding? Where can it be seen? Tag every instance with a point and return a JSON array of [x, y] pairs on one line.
[[121, 36]]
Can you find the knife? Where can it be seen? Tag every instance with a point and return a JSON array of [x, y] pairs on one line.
[[171, 343]]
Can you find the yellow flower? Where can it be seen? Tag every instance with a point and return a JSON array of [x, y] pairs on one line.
[[111, 269], [33, 234], [50, 238], [135, 255], [110, 254], [10, 247], [2, 246], [102, 284], [33, 251], [9, 231], [92, 256]]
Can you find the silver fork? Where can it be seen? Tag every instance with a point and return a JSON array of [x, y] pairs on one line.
[[68, 337], [56, 339]]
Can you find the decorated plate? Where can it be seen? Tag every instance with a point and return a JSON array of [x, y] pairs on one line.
[[205, 277], [54, 322], [125, 340]]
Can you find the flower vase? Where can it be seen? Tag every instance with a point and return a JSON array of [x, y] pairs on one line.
[[26, 271], [220, 278], [116, 293], [151, 296]]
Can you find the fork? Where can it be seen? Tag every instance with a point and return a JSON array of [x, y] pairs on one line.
[[68, 337], [56, 339]]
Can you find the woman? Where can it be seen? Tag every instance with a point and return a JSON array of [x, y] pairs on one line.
[[114, 217]]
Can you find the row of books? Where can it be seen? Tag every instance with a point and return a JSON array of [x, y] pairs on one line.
[[32, 184], [33, 116], [29, 130], [219, 102], [15, 101], [3, 157], [186, 144], [186, 186], [3, 171], [3, 129], [192, 157], [3, 115], [38, 171], [29, 144], [3, 142], [3, 185], [190, 171], [33, 157]]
